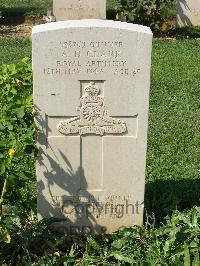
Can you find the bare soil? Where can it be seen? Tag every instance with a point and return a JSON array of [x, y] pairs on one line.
[[14, 29]]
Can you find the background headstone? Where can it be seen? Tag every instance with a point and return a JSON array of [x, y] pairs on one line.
[[188, 13], [79, 9], [91, 93]]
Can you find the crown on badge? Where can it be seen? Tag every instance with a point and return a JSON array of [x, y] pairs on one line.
[[92, 89]]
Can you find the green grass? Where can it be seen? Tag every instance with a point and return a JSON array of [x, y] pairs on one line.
[[186, 32], [175, 110], [37, 8], [13, 49], [173, 174], [25, 7]]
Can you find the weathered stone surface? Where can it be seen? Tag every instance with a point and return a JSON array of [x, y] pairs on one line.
[[188, 13], [79, 9], [91, 92]]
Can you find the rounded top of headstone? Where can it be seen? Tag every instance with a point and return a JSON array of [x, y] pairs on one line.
[[89, 23]]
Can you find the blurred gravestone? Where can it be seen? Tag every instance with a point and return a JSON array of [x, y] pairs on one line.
[[79, 9], [188, 13], [91, 94]]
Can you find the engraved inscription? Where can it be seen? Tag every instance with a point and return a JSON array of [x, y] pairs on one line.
[[93, 117], [92, 58], [72, 206], [78, 6]]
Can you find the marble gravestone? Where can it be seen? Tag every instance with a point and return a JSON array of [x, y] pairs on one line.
[[79, 9], [91, 96], [188, 13]]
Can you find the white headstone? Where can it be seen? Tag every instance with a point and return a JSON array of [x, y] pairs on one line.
[[79, 9], [188, 13], [91, 93]]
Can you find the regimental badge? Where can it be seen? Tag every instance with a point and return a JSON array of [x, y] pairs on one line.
[[92, 116]]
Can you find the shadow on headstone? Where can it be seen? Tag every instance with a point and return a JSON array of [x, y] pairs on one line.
[[91, 167], [183, 19], [69, 205]]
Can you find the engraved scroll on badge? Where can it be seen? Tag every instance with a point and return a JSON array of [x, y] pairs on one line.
[[92, 116]]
